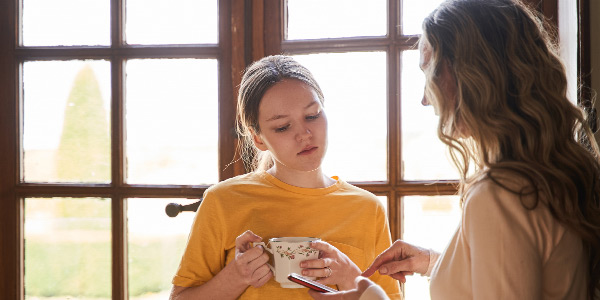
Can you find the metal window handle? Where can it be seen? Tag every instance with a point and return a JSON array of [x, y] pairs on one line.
[[173, 209]]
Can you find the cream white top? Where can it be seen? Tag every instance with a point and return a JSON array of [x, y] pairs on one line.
[[502, 250]]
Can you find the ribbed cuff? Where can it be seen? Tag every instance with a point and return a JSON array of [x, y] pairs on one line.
[[433, 257]]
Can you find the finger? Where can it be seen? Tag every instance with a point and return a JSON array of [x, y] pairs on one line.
[[261, 276], [318, 263], [323, 246], [242, 242], [260, 260], [323, 273], [405, 265], [251, 255], [399, 276], [385, 256], [325, 296]]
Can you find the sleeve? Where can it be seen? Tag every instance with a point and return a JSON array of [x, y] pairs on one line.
[[383, 241], [204, 256], [433, 258], [505, 262], [374, 292]]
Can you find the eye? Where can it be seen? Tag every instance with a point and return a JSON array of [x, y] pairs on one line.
[[314, 117], [282, 129]]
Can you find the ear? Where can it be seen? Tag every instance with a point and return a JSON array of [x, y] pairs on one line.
[[258, 142]]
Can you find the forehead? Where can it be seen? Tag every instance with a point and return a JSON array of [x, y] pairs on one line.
[[287, 95]]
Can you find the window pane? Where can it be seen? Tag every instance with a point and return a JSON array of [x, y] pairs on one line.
[[384, 201], [314, 19], [66, 134], [172, 121], [356, 111], [67, 248], [424, 156], [429, 222], [171, 22], [413, 13], [156, 244], [66, 22]]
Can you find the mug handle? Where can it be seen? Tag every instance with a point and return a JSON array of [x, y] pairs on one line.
[[269, 252]]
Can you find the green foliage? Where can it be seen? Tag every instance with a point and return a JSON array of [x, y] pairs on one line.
[[84, 149], [68, 269], [83, 270], [152, 265]]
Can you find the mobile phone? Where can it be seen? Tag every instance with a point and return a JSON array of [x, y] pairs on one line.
[[310, 283]]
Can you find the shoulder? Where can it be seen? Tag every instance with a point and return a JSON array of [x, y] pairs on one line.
[[357, 194], [496, 193], [244, 181], [495, 207]]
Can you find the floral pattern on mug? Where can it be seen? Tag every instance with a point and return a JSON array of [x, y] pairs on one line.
[[291, 254]]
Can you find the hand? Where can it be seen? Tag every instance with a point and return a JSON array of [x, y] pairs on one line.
[[362, 284], [333, 266], [250, 263], [399, 260]]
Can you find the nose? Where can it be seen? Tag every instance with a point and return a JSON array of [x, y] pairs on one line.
[[424, 101], [304, 134]]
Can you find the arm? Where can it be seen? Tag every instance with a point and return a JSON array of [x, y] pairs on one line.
[[248, 268], [501, 234]]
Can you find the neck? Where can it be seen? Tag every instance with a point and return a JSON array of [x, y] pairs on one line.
[[305, 179]]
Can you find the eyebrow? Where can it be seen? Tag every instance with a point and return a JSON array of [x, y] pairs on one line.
[[277, 117]]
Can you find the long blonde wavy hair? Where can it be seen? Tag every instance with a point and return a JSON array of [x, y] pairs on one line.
[[512, 101]]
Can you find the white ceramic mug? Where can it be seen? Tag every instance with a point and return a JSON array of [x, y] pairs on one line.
[[285, 255]]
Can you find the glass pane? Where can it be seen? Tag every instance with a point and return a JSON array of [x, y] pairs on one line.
[[66, 134], [429, 222], [67, 248], [66, 22], [172, 121], [315, 19], [156, 244], [413, 13], [171, 22], [424, 156], [356, 108], [384, 201]]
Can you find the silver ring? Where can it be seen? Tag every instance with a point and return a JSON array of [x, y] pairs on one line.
[[328, 268]]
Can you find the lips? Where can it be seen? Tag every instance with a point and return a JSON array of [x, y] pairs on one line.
[[308, 150]]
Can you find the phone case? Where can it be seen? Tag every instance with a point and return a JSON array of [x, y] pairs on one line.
[[310, 283]]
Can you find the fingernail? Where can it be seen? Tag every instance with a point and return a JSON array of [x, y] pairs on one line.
[[383, 270], [302, 265], [304, 272]]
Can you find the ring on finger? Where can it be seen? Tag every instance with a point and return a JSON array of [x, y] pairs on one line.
[[329, 273]]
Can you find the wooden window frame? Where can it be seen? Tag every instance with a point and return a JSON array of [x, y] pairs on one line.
[[249, 30]]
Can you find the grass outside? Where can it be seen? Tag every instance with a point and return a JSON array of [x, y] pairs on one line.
[[83, 270]]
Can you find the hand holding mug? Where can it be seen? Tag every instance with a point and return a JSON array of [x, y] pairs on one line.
[[250, 263], [333, 266]]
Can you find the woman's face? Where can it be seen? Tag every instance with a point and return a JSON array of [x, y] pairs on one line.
[[293, 126], [447, 84], [446, 81]]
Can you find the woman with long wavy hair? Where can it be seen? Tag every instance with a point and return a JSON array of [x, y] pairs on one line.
[[531, 208]]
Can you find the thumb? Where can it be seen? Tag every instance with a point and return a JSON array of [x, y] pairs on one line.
[[242, 242]]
